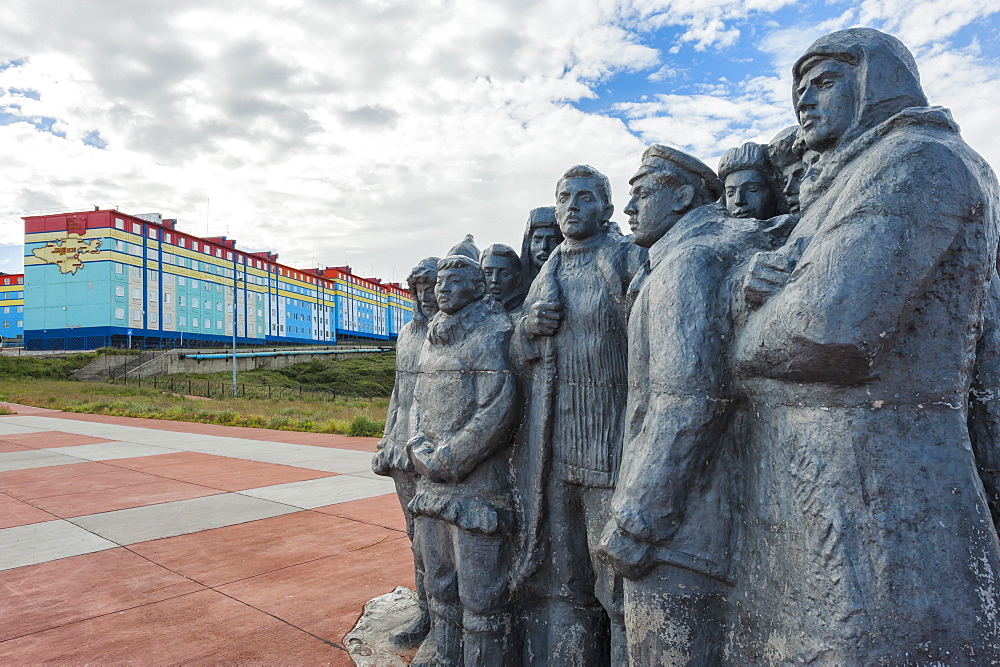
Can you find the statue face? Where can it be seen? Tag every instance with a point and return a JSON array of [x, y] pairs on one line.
[[653, 209], [543, 241], [793, 179], [827, 103], [502, 276], [425, 299], [748, 195], [456, 289], [580, 209]]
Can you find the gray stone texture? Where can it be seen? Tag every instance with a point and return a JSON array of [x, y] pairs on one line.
[[761, 430]]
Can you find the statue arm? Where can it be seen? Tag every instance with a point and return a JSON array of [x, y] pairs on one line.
[[855, 283], [688, 325], [380, 462], [489, 425], [984, 400]]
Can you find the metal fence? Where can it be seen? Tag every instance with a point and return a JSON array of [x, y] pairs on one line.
[[217, 389]]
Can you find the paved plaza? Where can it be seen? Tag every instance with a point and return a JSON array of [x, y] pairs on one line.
[[138, 540]]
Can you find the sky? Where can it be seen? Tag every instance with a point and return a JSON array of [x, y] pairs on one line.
[[374, 133]]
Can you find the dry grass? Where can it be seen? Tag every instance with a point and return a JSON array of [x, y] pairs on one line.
[[348, 416]]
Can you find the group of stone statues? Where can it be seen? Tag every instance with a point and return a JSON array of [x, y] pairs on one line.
[[756, 430]]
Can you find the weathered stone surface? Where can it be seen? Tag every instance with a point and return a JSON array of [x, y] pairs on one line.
[[370, 643], [761, 431]]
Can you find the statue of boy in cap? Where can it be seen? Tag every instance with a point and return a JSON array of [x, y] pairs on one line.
[[671, 526], [872, 541], [572, 338], [392, 459], [467, 404]]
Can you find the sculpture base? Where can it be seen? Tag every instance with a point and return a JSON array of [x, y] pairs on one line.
[[369, 643]]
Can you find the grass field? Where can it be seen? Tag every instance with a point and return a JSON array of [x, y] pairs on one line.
[[41, 383]]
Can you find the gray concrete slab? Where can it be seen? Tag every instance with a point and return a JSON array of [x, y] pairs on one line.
[[110, 450], [343, 462], [324, 491], [12, 428], [37, 459], [49, 540], [141, 524]]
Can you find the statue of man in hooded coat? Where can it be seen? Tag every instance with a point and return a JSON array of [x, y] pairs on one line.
[[870, 540]]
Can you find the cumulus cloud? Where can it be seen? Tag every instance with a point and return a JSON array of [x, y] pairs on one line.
[[377, 131]]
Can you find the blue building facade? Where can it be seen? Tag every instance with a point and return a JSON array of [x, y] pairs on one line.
[[106, 278]]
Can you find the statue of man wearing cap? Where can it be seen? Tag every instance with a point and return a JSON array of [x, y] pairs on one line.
[[871, 540], [572, 339], [671, 526]]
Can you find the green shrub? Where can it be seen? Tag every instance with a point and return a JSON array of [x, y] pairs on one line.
[[364, 427]]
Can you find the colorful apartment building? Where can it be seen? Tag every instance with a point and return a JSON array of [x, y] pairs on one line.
[[106, 278], [11, 307]]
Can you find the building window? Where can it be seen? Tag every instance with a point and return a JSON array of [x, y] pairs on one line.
[[119, 224], [218, 307], [194, 322], [137, 294], [181, 320], [168, 297], [194, 303], [20, 309], [182, 300], [20, 323], [137, 316], [168, 318], [151, 296], [152, 317], [218, 324], [136, 228], [119, 290], [181, 281], [135, 272]]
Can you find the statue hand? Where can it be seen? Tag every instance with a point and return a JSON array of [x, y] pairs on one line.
[[422, 457], [767, 275], [380, 462], [623, 553], [543, 318]]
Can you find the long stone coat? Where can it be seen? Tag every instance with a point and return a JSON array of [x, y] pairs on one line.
[[871, 537]]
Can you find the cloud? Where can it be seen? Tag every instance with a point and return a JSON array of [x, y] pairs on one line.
[[379, 131]]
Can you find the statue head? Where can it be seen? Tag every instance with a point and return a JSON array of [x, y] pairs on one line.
[[669, 183], [421, 282], [786, 152], [583, 202], [850, 81], [541, 236], [460, 282], [502, 271], [466, 247], [748, 178]]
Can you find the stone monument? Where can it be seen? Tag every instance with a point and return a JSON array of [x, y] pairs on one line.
[[762, 435]]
